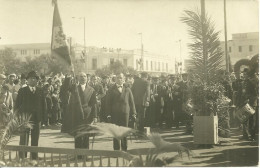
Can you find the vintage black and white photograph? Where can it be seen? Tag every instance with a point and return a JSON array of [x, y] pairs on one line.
[[129, 83]]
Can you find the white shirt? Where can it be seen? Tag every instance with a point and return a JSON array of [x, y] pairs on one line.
[[32, 89], [83, 87], [120, 88]]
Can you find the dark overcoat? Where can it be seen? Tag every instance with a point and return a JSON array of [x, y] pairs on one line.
[[30, 103], [120, 105], [141, 91]]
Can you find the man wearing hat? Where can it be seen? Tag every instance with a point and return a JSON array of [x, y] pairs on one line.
[[23, 80], [248, 94], [30, 101]]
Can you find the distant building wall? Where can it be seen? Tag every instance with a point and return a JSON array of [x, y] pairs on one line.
[[242, 45]]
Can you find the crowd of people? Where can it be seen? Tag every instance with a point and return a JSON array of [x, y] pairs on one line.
[[136, 101]]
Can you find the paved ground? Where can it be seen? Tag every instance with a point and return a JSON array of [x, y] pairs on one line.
[[231, 153]]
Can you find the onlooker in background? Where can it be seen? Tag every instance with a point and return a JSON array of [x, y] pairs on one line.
[[141, 93], [56, 111], [48, 108], [100, 93], [7, 97], [2, 79], [16, 88], [23, 82], [10, 83], [106, 85]]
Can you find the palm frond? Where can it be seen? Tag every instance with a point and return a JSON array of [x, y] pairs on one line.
[[163, 146], [17, 124], [205, 65], [111, 130]]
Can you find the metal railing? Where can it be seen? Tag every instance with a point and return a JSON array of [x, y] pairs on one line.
[[69, 157]]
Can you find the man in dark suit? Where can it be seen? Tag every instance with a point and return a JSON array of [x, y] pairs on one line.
[[141, 93], [106, 85], [120, 106], [30, 100], [88, 102], [100, 93]]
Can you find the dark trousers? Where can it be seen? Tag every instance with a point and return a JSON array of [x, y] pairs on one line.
[[140, 110], [82, 142], [116, 144], [24, 139], [168, 114], [249, 127]]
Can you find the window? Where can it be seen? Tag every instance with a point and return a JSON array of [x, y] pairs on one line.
[[159, 66], [166, 67], [125, 62], [155, 66], [230, 49], [23, 52], [94, 63], [36, 52], [250, 48], [151, 65], [146, 65], [240, 48], [137, 62], [112, 60]]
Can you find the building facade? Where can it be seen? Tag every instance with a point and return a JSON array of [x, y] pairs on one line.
[[242, 46], [28, 50], [96, 57]]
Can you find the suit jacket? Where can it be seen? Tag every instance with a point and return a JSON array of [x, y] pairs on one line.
[[88, 102], [100, 93], [141, 91], [31, 103], [120, 105]]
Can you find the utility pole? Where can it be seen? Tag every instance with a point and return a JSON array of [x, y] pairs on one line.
[[226, 47], [204, 44], [85, 56]]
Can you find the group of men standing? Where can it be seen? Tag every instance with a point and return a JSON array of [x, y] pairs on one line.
[[122, 100]]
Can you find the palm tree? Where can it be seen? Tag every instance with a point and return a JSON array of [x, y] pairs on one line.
[[206, 58], [205, 64]]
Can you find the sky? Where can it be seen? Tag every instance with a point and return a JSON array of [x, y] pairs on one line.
[[116, 23]]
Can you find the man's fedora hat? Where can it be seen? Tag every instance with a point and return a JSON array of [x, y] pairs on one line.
[[33, 74]]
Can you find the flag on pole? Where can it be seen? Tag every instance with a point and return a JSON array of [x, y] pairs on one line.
[[59, 46]]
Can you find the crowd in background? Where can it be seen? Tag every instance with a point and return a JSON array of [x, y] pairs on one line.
[[163, 107]]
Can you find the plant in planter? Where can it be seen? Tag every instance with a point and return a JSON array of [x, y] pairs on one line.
[[206, 91]]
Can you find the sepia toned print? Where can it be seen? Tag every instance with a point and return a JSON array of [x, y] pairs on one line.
[[127, 83]]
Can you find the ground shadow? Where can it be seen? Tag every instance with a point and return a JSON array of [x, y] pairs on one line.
[[230, 157]]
